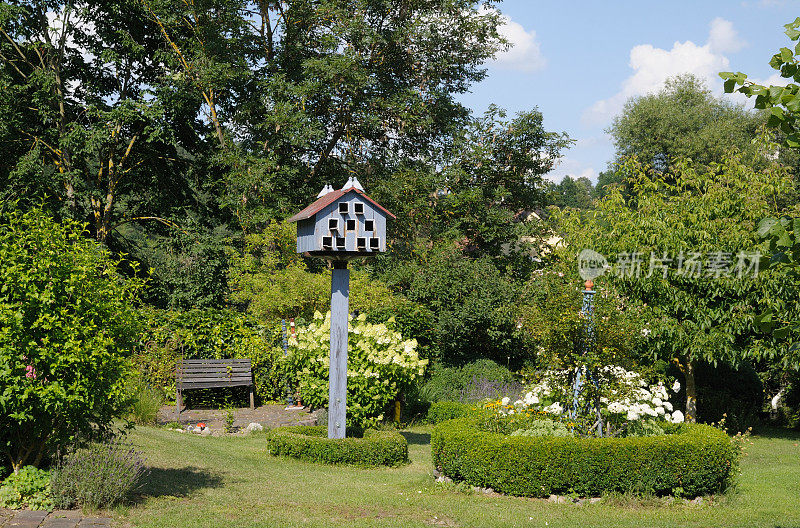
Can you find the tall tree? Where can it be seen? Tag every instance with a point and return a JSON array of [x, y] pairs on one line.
[[332, 88], [686, 248], [683, 120], [92, 133]]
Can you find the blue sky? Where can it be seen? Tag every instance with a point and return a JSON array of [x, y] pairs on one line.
[[578, 61]]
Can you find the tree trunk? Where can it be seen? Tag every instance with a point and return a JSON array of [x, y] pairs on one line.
[[691, 392]]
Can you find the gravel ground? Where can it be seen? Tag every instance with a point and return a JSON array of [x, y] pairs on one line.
[[270, 416]]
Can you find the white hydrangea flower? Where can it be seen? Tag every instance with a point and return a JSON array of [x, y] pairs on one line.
[[632, 415], [677, 417], [554, 408], [505, 401], [657, 402], [676, 386], [667, 406], [616, 408]]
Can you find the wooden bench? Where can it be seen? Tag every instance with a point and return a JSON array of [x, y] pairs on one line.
[[212, 373]]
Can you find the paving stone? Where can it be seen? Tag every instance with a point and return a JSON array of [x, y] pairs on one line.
[[59, 522], [67, 514], [27, 519]]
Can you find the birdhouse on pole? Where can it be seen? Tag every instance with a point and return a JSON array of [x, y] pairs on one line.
[[341, 226]]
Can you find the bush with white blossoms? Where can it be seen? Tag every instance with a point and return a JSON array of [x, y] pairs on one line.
[[626, 403], [380, 364]]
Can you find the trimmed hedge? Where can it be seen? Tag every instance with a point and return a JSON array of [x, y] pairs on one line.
[[448, 410], [693, 460], [376, 448]]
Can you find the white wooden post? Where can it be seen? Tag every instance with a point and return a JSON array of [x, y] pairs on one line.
[[340, 313]]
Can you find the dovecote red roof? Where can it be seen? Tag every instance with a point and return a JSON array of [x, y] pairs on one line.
[[331, 197]]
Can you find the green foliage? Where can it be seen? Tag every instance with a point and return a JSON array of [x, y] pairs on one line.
[[67, 325], [544, 427], [684, 120], [146, 402], [229, 420], [692, 460], [690, 316], [554, 329], [473, 302], [271, 279], [441, 411], [376, 448], [575, 194], [780, 317], [380, 363], [783, 102], [29, 487], [472, 382], [209, 334]]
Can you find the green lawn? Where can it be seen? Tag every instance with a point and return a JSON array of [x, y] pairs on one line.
[[209, 482]]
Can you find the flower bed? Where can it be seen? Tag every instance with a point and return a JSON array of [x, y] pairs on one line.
[[376, 448], [693, 460]]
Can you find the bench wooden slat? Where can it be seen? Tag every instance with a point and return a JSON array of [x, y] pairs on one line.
[[211, 379], [213, 367], [214, 385], [211, 373], [215, 361]]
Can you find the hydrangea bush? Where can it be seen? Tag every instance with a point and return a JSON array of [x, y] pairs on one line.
[[380, 365], [627, 404]]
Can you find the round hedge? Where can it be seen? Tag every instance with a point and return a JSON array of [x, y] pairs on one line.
[[692, 460], [375, 448]]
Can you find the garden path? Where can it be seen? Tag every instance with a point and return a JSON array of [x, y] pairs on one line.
[[56, 519]]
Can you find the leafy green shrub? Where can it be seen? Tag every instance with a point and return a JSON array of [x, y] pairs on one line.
[[447, 410], [98, 476], [67, 325], [473, 301], [380, 364], [544, 427], [472, 382], [145, 402], [692, 460], [209, 334], [376, 448], [29, 487]]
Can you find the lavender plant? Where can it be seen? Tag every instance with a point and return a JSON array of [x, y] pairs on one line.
[[98, 476]]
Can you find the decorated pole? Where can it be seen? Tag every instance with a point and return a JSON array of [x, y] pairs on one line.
[[587, 309], [340, 313], [341, 226]]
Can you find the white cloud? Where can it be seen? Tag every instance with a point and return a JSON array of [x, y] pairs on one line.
[[652, 66], [723, 38], [525, 53], [572, 168]]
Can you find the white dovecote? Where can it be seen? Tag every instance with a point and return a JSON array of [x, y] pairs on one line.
[[343, 224]]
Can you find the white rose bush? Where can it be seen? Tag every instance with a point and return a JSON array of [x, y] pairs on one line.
[[380, 365]]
